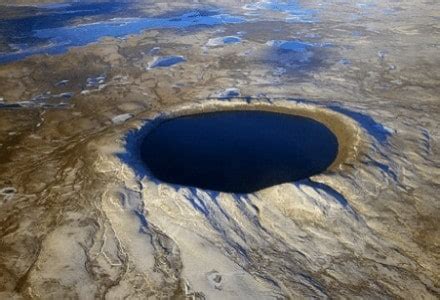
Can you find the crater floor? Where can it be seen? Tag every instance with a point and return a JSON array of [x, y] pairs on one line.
[[79, 81]]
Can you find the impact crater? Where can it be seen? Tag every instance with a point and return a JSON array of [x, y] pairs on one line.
[[241, 149]]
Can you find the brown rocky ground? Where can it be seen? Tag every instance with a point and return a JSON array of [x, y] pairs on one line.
[[75, 222]]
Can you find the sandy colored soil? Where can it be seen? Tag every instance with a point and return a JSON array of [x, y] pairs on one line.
[[76, 221]]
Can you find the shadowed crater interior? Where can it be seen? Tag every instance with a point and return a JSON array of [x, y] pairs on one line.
[[238, 151]]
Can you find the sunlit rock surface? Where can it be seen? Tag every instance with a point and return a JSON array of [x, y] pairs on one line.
[[78, 219]]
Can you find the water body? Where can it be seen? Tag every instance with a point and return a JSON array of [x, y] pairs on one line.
[[238, 151], [290, 46], [18, 24], [52, 33], [292, 9], [294, 55], [225, 40], [167, 61], [54, 28]]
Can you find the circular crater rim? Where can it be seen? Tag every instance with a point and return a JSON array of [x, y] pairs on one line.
[[343, 128]]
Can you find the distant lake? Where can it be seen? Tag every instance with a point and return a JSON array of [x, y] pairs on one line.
[[55, 29]]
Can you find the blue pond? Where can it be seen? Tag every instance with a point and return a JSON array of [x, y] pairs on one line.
[[237, 151], [221, 41], [231, 40], [292, 8], [287, 46], [167, 61], [52, 33]]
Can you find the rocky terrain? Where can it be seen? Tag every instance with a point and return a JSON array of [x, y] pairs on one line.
[[78, 221]]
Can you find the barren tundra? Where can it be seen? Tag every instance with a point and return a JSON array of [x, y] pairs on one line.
[[81, 83]]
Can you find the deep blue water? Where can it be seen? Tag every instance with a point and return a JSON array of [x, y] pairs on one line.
[[237, 151]]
